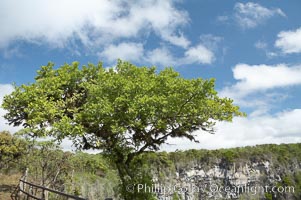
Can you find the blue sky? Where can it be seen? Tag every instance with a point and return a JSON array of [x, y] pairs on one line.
[[252, 49]]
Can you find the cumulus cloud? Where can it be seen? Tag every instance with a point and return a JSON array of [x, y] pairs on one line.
[[283, 127], [100, 26], [161, 56], [124, 51], [93, 22], [4, 90], [198, 54], [289, 41], [261, 77], [258, 78], [179, 40], [249, 15]]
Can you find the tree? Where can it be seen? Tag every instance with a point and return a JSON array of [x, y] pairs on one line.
[[48, 165], [11, 148], [124, 111]]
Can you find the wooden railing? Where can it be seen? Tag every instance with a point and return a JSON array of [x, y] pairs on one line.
[[28, 191]]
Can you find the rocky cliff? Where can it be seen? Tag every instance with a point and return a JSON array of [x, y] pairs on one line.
[[262, 172]]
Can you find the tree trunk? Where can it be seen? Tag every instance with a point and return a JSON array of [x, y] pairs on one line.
[[126, 177]]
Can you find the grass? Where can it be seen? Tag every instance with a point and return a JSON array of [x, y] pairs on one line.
[[7, 185]]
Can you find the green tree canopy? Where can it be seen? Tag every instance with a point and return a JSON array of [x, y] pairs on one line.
[[124, 111], [11, 148]]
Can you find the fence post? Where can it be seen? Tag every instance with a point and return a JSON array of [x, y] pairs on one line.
[[21, 183], [20, 187], [43, 193]]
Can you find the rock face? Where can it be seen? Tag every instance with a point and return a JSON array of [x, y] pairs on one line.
[[221, 180]]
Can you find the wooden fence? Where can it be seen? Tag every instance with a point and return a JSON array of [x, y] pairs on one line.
[[29, 191]]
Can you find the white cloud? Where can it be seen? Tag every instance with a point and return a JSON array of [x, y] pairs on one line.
[[124, 51], [250, 15], [179, 40], [93, 22], [284, 127], [258, 78], [289, 41], [198, 54], [261, 77], [161, 56], [203, 53], [4, 90]]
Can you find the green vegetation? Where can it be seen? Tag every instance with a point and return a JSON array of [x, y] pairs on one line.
[[95, 176], [11, 149], [268, 196], [124, 111]]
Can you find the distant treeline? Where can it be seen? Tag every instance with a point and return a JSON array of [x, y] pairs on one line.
[[95, 176]]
